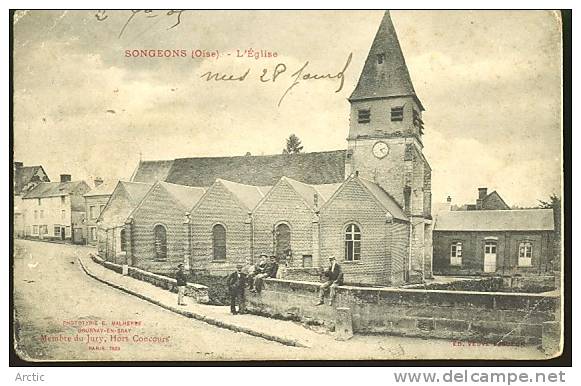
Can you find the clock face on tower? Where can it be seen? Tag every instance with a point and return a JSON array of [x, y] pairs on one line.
[[380, 149]]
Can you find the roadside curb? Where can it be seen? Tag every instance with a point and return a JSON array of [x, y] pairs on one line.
[[194, 315]]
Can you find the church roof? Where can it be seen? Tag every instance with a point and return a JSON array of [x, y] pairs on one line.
[[384, 199], [128, 195], [375, 191], [151, 171], [324, 167], [307, 192], [496, 220], [247, 195], [186, 196], [390, 78], [135, 190]]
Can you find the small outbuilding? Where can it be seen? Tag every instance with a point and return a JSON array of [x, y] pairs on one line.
[[476, 242]]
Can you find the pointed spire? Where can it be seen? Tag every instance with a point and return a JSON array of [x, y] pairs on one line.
[[385, 73]]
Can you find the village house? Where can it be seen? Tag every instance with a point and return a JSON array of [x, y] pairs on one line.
[[95, 201], [55, 210], [111, 222], [221, 227], [24, 179], [157, 230], [378, 223], [486, 201], [489, 238]]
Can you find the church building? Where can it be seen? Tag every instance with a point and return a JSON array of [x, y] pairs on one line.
[[368, 205], [384, 144]]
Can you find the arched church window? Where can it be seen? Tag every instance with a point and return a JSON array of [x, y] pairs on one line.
[[282, 241], [122, 239], [352, 243], [219, 242], [160, 242]]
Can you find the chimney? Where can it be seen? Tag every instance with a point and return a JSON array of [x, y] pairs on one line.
[[481, 196], [65, 178], [97, 181]]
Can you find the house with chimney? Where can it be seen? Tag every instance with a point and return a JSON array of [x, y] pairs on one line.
[[95, 201], [486, 201], [24, 179], [55, 210]]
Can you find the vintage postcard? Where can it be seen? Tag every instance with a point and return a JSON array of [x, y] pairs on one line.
[[287, 185]]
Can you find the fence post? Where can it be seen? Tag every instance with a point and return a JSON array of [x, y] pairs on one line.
[[344, 324]]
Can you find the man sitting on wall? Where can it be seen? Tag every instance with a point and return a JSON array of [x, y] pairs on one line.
[[268, 270], [258, 269], [273, 267], [236, 284], [250, 271], [334, 278]]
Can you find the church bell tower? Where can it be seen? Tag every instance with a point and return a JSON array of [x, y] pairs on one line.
[[385, 141]]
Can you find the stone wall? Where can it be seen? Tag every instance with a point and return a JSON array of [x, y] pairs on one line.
[[491, 317], [530, 283], [196, 291]]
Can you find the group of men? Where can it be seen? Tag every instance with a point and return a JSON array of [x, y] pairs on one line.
[[254, 277]]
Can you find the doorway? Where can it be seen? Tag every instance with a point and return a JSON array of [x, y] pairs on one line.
[[490, 256]]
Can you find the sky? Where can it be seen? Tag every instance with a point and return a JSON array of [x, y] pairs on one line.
[[490, 82]]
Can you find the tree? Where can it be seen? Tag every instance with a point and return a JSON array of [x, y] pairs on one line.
[[293, 145], [554, 203]]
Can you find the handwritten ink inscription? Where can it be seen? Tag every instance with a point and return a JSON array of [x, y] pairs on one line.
[[174, 14], [273, 74]]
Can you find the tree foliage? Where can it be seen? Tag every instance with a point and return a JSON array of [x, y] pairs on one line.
[[554, 202], [293, 145]]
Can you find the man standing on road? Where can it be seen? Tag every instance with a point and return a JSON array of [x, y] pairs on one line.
[[236, 284], [334, 277], [181, 280]]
